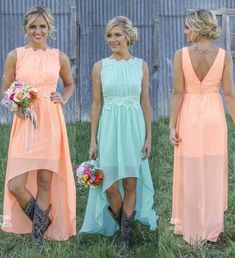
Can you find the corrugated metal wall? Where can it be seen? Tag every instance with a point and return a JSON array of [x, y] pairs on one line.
[[160, 24], [171, 22], [93, 16], [12, 36]]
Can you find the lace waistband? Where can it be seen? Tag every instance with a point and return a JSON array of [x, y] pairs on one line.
[[128, 102]]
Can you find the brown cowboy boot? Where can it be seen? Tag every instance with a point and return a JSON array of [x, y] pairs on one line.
[[41, 222], [29, 209], [126, 237], [117, 217]]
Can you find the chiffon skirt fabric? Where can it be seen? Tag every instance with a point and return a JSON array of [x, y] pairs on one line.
[[200, 169], [120, 157], [55, 158]]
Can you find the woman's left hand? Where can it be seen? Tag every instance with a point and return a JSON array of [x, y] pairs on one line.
[[145, 153], [174, 137], [56, 97]]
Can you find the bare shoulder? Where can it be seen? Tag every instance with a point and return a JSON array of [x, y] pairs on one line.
[[63, 57], [145, 66], [178, 54], [12, 55], [228, 60], [96, 70], [178, 57], [11, 59], [97, 67], [228, 56]]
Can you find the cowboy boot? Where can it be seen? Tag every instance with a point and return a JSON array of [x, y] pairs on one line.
[[126, 237], [29, 209], [41, 222], [117, 217]]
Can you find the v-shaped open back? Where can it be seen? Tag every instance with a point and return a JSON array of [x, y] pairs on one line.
[[209, 70], [211, 81]]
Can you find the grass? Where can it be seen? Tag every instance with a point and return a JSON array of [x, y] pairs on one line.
[[96, 246], [82, 245], [171, 245]]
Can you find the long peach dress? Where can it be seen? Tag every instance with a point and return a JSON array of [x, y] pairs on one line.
[[200, 160], [43, 148]]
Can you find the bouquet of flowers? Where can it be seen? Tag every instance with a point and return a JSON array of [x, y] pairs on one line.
[[19, 98], [89, 174]]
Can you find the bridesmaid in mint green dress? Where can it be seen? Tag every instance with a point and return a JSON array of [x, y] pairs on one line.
[[120, 139]]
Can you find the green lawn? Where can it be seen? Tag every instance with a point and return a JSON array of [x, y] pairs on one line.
[[83, 245], [171, 245], [96, 246]]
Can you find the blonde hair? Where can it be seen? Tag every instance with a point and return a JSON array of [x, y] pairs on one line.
[[203, 23], [130, 32], [33, 14]]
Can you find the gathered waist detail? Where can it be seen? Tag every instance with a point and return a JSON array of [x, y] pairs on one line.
[[202, 93], [44, 96], [128, 102], [45, 92], [202, 89]]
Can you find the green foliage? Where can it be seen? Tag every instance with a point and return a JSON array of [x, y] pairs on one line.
[[25, 103]]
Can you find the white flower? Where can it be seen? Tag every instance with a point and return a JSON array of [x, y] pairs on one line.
[[14, 107]]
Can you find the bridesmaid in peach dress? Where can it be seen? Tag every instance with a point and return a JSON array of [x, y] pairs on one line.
[[198, 130], [39, 189]]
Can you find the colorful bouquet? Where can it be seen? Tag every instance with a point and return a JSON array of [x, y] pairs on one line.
[[19, 97], [89, 174]]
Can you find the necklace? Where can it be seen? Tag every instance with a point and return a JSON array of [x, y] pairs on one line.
[[204, 51]]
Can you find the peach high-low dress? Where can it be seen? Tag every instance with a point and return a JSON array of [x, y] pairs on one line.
[[200, 160], [44, 148]]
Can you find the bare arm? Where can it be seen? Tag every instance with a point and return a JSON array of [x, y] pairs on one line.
[[95, 108], [66, 76], [9, 73], [9, 70], [177, 95], [227, 80], [145, 104]]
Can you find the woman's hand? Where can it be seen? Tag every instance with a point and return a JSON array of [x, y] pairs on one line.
[[93, 151], [56, 97], [145, 153], [19, 115], [174, 138]]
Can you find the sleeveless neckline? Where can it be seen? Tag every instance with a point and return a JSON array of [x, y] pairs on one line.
[[121, 60], [37, 50]]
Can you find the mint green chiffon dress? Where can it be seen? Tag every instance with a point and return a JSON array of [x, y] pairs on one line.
[[121, 137]]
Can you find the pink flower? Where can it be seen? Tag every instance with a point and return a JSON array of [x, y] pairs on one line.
[[12, 96], [87, 171]]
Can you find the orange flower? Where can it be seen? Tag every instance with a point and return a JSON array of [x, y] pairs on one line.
[[85, 177], [33, 95]]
